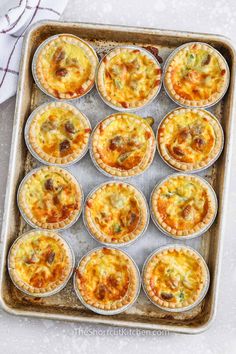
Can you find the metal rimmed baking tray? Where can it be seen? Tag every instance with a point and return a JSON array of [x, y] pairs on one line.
[[65, 305]]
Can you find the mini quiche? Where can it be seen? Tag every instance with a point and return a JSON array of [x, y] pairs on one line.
[[58, 133], [64, 66], [107, 279], [40, 263], [190, 139], [116, 213], [128, 78], [183, 205], [196, 75], [123, 145], [175, 278], [50, 198]]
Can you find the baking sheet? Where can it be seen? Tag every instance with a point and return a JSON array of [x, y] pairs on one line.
[[65, 305]]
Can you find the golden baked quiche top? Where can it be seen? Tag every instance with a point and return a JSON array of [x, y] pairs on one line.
[[50, 198], [128, 77], [107, 279], [190, 139], [175, 277], [116, 213], [40, 262], [123, 145], [183, 205], [196, 75], [65, 66], [58, 133]]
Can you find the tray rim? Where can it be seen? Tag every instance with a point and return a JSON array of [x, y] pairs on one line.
[[9, 193]]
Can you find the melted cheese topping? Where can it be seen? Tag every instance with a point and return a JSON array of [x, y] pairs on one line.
[[196, 74], [124, 143], [115, 210], [130, 76], [182, 203], [59, 132], [51, 196], [40, 261], [65, 68], [106, 277], [176, 277], [188, 137]]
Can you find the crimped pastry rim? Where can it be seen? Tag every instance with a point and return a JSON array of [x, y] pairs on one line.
[[136, 281], [41, 48], [136, 234], [59, 225], [183, 102], [210, 161], [26, 288], [196, 233], [149, 98], [206, 280], [122, 174], [37, 152]]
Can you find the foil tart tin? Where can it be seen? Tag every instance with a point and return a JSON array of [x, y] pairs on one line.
[[110, 244], [101, 311], [168, 61], [33, 152], [195, 234], [25, 217], [59, 288], [103, 171], [204, 290], [34, 61], [198, 169], [123, 109]]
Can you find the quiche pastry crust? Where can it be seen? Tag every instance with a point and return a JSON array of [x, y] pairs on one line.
[[123, 145], [116, 213], [40, 263], [128, 77], [59, 133], [107, 279], [189, 139], [50, 198], [183, 205], [196, 75], [65, 66], [175, 278]]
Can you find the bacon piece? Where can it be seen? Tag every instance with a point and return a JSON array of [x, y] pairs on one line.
[[64, 145], [178, 151], [124, 104], [58, 55], [69, 127], [50, 257], [206, 60], [199, 143], [49, 185], [155, 52], [61, 72], [167, 296]]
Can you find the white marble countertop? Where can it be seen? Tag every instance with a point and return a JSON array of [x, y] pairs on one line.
[[24, 335]]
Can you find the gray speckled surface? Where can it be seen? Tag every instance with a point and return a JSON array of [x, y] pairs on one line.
[[25, 335]]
